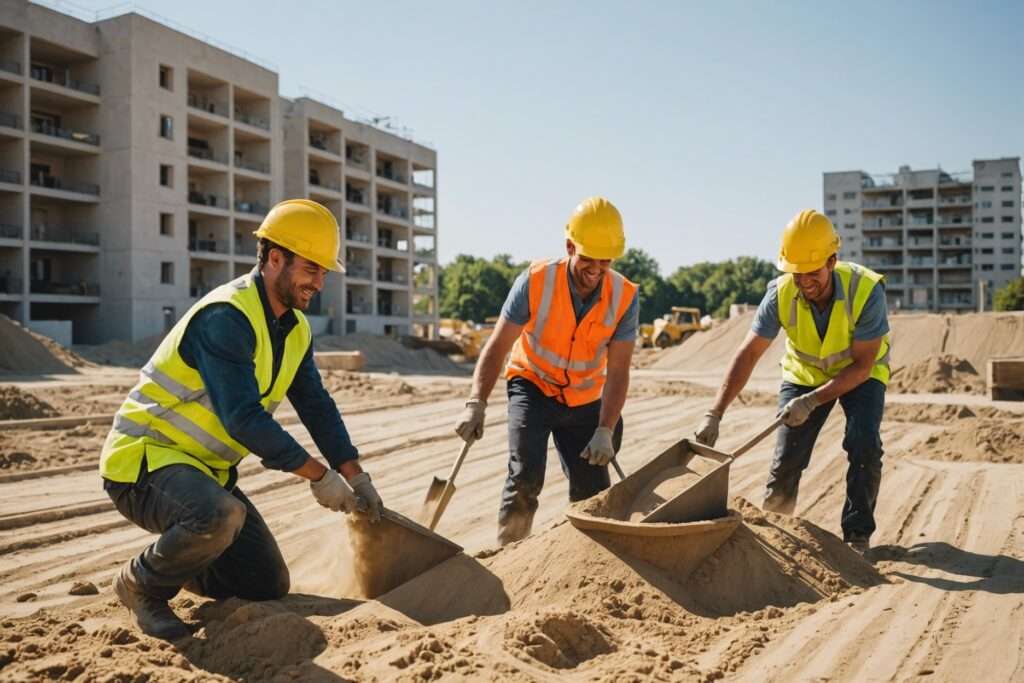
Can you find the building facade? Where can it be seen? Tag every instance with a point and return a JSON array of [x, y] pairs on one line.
[[136, 161], [943, 240]]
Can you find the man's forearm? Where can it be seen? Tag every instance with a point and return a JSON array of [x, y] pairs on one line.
[[848, 379], [613, 398], [735, 379], [485, 376], [314, 470]]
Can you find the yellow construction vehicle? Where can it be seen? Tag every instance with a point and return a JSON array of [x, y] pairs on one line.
[[672, 328], [456, 337]]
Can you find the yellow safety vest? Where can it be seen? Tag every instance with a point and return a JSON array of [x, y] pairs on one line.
[[168, 417], [810, 360]]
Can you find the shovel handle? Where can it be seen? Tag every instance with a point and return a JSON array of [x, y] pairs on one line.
[[756, 439], [618, 469], [458, 461]]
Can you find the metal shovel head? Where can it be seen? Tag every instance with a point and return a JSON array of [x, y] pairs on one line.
[[438, 495]]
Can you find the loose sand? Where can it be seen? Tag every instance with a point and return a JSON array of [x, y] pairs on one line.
[[944, 374], [976, 439], [25, 352]]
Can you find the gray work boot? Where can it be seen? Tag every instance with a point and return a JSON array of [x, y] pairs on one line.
[[153, 616], [514, 527]]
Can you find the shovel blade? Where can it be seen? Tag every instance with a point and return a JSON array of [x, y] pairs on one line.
[[438, 495]]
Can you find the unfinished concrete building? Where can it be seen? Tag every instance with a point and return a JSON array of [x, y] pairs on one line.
[[941, 239], [136, 161]]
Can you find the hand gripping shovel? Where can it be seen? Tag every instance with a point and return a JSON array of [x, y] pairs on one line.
[[440, 492]]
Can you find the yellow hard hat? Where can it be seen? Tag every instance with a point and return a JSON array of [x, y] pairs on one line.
[[595, 227], [807, 243], [306, 228]]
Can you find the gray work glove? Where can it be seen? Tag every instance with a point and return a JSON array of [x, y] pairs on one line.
[[707, 431], [333, 493], [470, 425], [367, 498], [799, 409], [600, 450]]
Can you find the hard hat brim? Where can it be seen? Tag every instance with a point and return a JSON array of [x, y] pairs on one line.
[[807, 267], [601, 253]]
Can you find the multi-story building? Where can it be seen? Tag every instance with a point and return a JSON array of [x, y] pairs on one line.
[[939, 238], [136, 161]]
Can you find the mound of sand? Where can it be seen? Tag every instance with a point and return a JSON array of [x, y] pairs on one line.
[[975, 440], [938, 413], [28, 353], [386, 354], [973, 337], [945, 374], [357, 384], [16, 404], [121, 353]]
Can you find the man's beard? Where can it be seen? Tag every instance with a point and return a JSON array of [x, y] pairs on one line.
[[285, 290]]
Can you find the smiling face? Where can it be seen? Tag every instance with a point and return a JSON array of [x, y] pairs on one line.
[[293, 282], [587, 272], [816, 286]]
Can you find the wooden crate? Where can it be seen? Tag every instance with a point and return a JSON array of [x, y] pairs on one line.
[[1006, 379]]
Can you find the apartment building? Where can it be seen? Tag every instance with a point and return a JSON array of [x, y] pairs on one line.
[[939, 238], [136, 161]]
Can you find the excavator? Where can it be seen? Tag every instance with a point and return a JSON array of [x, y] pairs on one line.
[[672, 328]]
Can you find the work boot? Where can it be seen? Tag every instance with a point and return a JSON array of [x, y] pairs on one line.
[[153, 616], [515, 527], [859, 545]]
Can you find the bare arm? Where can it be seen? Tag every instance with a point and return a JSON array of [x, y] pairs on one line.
[[314, 470], [616, 386], [852, 376], [492, 358], [742, 365]]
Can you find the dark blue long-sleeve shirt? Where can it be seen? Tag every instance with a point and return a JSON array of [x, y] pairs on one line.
[[220, 343]]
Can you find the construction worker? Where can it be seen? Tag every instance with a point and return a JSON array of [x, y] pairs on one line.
[[203, 402], [837, 348], [570, 325]]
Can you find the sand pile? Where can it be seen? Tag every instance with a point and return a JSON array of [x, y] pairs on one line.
[[975, 440], [386, 354], [944, 374], [16, 404], [356, 384], [25, 352], [33, 449], [121, 353], [939, 413]]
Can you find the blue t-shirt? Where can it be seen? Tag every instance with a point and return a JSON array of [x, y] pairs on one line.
[[517, 306], [872, 324]]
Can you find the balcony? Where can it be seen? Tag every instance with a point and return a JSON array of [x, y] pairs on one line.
[[357, 270], [9, 176], [209, 106], [54, 183], [9, 120], [10, 66], [317, 181], [11, 232], [44, 127], [883, 263], [257, 166], [358, 309], [920, 243], [389, 309], [10, 285], [358, 237], [251, 119], [947, 242], [392, 175], [199, 291], [207, 246], [207, 199], [919, 262], [392, 210], [207, 154], [430, 254], [81, 288], [883, 244], [354, 196], [46, 75], [393, 278], [881, 204], [251, 207], [65, 235], [955, 200]]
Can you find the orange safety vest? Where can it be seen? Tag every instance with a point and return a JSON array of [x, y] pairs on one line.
[[568, 360]]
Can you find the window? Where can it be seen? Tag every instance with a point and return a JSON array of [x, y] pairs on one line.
[[987, 266], [850, 226], [830, 212], [167, 224], [167, 272], [1006, 174], [986, 205], [1007, 250], [166, 175], [849, 195], [988, 250], [1007, 203], [166, 127], [987, 235], [988, 219], [847, 212], [988, 188], [1007, 266], [1007, 188], [1007, 219], [853, 253], [166, 77], [830, 197], [1005, 235]]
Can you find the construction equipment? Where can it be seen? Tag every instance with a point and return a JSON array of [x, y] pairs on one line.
[[440, 492], [457, 337], [672, 328]]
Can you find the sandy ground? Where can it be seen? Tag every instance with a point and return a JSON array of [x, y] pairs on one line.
[[783, 599]]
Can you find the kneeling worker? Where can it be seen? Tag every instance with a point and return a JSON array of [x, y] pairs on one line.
[[571, 326], [837, 348], [203, 402]]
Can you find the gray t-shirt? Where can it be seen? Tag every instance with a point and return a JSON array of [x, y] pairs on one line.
[[872, 324], [517, 306]]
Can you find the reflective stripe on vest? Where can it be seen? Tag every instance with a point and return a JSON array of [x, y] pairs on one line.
[[168, 418], [551, 351], [803, 362]]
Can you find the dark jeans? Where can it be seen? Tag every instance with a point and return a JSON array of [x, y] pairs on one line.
[[532, 419], [210, 537], [863, 445]]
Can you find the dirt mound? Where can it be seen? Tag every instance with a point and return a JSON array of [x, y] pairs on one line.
[[386, 354], [712, 350], [945, 374], [33, 449], [357, 384], [561, 640], [975, 440], [16, 404], [121, 353], [28, 353], [938, 413]]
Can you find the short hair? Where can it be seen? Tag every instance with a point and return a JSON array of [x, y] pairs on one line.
[[263, 248]]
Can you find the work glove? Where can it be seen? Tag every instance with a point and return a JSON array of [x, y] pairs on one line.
[[333, 493], [799, 409], [367, 498], [600, 450], [707, 430], [470, 425]]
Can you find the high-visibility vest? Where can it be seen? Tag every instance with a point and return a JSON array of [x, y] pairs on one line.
[[168, 417], [568, 360], [810, 360]]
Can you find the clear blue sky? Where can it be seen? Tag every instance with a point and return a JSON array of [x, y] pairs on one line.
[[708, 124]]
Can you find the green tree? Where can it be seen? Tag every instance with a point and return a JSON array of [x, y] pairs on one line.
[[475, 288], [656, 295], [1010, 297], [713, 287]]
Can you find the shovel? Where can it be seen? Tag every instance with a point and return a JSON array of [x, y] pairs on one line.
[[440, 492]]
